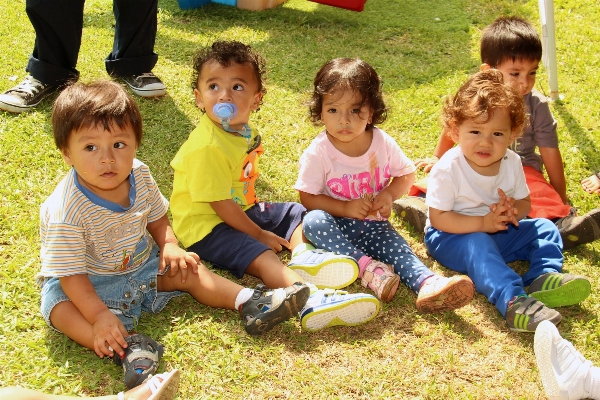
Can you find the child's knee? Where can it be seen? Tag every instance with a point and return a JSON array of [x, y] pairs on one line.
[[315, 216]]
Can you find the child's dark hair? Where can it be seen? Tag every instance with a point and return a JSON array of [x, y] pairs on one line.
[[509, 38], [479, 96], [101, 103], [226, 53], [348, 74]]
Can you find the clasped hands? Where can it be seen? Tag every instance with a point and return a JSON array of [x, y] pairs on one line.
[[501, 214]]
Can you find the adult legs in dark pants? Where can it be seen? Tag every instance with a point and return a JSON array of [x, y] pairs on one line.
[[52, 64]]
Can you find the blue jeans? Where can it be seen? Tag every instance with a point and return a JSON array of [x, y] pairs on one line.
[[483, 256], [376, 239], [126, 295]]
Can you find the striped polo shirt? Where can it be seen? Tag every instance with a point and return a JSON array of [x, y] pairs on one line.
[[84, 234]]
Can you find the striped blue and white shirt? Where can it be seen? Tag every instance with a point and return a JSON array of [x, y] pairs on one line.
[[84, 234]]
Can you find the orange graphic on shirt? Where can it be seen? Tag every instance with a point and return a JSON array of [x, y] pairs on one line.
[[250, 174], [125, 262]]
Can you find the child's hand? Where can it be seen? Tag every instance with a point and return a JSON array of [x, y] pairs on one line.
[[276, 243], [426, 163], [358, 208], [591, 184], [511, 211], [501, 214], [109, 335], [383, 204], [178, 259]]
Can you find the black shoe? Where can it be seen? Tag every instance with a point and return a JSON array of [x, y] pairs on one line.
[[579, 230], [260, 315], [142, 357], [413, 210], [146, 85], [26, 95]]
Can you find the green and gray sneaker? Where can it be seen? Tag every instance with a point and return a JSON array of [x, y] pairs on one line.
[[557, 290], [525, 313]]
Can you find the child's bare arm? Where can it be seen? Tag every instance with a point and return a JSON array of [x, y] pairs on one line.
[[444, 144], [396, 189], [553, 163], [170, 253], [522, 208], [234, 216], [358, 208], [108, 329]]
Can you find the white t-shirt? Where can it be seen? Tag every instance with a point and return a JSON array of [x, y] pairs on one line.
[[326, 170], [454, 186]]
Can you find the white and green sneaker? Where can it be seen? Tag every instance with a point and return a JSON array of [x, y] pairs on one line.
[[328, 307], [325, 269]]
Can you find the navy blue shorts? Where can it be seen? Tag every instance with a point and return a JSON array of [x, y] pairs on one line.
[[232, 250]]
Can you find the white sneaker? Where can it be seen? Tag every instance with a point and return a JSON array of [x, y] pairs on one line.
[[330, 307], [325, 269], [563, 369]]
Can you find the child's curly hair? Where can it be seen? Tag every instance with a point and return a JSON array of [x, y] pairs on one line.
[[479, 96], [226, 53], [353, 74]]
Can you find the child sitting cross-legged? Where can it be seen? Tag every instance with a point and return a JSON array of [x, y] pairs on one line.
[[216, 212], [349, 177], [477, 198], [108, 250]]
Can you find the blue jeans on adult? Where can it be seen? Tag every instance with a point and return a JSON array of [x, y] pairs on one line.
[[483, 256], [376, 239]]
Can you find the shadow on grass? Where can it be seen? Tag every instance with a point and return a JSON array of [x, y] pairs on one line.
[[586, 142], [294, 41], [421, 43]]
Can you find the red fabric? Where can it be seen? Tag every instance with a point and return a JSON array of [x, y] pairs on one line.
[[418, 188], [545, 201]]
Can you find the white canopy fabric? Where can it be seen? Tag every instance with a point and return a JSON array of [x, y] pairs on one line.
[[549, 45]]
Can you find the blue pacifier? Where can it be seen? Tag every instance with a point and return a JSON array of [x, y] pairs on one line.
[[227, 111]]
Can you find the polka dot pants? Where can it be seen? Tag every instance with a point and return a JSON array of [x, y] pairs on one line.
[[376, 239]]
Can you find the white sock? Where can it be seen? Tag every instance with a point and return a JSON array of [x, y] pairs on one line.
[[301, 248], [277, 297], [243, 296]]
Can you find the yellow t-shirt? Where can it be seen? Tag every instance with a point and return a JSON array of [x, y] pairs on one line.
[[212, 165]]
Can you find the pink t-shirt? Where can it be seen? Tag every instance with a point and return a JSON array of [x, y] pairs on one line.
[[325, 170]]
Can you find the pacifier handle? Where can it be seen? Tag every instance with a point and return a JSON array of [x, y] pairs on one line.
[[227, 111]]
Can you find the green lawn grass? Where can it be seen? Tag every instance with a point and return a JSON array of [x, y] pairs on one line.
[[423, 50]]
